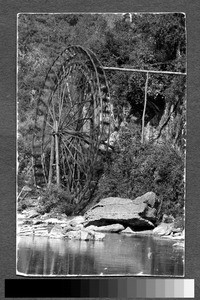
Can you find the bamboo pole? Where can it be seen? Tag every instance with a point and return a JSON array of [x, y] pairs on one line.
[[57, 155], [51, 162], [144, 71], [144, 110]]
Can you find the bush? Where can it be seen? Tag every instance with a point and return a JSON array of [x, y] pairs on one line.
[[136, 169], [56, 200]]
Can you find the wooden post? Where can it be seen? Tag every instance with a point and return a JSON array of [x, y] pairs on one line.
[[144, 110], [57, 155], [51, 162]]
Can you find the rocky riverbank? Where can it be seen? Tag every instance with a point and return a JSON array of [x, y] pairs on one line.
[[110, 215]]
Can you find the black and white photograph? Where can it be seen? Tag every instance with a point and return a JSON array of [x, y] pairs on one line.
[[101, 144]]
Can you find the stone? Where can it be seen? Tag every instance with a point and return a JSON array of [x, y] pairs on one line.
[[149, 198], [176, 230], [68, 228], [54, 221], [128, 230], [137, 213], [78, 227], [177, 234], [32, 213], [37, 222], [56, 232], [99, 236], [73, 235], [86, 235], [109, 228], [25, 230], [77, 221], [163, 229], [92, 228], [179, 244], [41, 232]]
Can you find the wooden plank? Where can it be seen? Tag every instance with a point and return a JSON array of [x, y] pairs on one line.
[[144, 110], [57, 155], [51, 162], [144, 71]]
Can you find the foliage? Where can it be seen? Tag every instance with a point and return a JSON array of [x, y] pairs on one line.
[[55, 200], [149, 41], [136, 169]]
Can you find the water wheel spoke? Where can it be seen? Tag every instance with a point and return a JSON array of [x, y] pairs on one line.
[[68, 175], [76, 149], [72, 156], [85, 118], [61, 103]]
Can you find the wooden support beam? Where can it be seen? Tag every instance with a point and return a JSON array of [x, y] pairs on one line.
[[51, 162], [144, 110], [57, 155], [144, 71]]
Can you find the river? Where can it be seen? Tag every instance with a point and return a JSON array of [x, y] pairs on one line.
[[117, 255]]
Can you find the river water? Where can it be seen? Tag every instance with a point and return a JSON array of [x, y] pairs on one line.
[[116, 255]]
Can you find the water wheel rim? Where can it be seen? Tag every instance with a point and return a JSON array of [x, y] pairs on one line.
[[67, 65]]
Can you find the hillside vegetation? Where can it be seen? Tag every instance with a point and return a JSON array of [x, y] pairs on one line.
[[144, 41]]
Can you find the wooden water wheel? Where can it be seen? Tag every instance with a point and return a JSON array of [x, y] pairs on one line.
[[72, 121]]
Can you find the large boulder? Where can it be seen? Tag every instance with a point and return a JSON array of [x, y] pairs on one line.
[[137, 214]]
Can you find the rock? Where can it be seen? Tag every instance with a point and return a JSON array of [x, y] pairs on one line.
[[77, 221], [109, 228], [176, 230], [98, 236], [86, 235], [128, 230], [55, 221], [177, 234], [150, 214], [28, 222], [163, 229], [20, 216], [67, 228], [73, 235], [79, 227], [92, 228], [41, 232], [56, 232], [149, 198], [26, 230], [32, 213], [37, 222], [179, 245], [137, 213]]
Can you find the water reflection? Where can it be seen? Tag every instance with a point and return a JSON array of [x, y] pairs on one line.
[[118, 254]]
